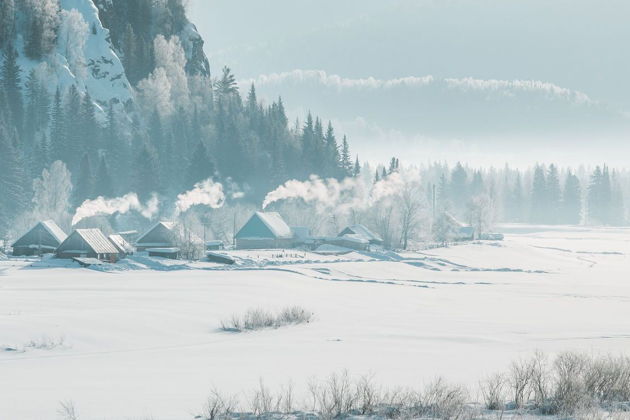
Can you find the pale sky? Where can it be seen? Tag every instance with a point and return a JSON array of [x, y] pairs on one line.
[[487, 78]]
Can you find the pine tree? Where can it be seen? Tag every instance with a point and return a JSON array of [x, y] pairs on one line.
[[85, 182], [104, 185], [595, 197], [571, 200], [7, 22], [58, 141], [12, 196], [89, 126], [10, 78], [336, 165], [201, 167], [539, 196], [145, 173], [73, 132], [357, 167], [227, 85], [554, 195]]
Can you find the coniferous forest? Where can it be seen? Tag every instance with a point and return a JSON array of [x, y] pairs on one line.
[[175, 123]]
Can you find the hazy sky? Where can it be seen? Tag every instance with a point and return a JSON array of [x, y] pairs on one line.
[[484, 79]]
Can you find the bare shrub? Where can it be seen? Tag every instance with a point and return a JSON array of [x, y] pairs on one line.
[[607, 379], [217, 406], [570, 394], [334, 397], [67, 411], [540, 381], [262, 400], [444, 401], [257, 319], [367, 395], [519, 378], [493, 392], [46, 343]]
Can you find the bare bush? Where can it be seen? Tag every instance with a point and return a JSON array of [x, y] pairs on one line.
[[257, 319], [367, 395], [493, 392], [46, 343], [443, 401], [335, 397], [217, 407], [570, 394], [263, 401], [519, 378], [67, 411]]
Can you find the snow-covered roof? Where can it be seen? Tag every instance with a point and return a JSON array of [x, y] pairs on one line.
[[97, 241], [264, 225], [167, 225], [359, 239], [363, 231], [54, 230], [49, 226], [120, 243], [164, 250]]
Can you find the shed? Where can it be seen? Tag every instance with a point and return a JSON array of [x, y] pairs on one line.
[[351, 241], [43, 238], [160, 235], [264, 230], [363, 232], [214, 245], [124, 248], [88, 243], [172, 253]]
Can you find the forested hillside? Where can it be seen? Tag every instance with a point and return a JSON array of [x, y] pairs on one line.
[[121, 92]]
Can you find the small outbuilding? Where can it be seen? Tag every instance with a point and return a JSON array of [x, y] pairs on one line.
[[124, 248], [160, 235], [88, 243], [214, 245], [265, 230], [362, 231], [350, 241], [43, 238], [172, 253]]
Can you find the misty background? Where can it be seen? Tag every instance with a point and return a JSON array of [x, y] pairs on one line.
[[486, 81]]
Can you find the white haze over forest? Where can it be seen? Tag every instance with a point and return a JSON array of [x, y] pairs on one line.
[[486, 81]]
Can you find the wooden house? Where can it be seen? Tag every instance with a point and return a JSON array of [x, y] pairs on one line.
[[88, 243], [265, 231], [43, 238]]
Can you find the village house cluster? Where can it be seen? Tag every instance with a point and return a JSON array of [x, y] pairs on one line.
[[263, 230]]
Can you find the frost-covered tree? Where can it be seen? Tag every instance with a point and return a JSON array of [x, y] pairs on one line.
[[170, 56], [7, 22], [51, 195], [43, 20], [73, 34]]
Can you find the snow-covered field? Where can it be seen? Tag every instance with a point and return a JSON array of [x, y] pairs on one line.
[[143, 341]]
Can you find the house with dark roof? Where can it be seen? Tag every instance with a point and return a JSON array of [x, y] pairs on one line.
[[160, 235], [43, 238], [361, 231], [265, 230], [88, 243]]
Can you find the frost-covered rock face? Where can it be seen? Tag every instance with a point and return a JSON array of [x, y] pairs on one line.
[[193, 47], [104, 77], [83, 56]]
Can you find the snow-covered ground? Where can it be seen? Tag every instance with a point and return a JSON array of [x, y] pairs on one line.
[[143, 341]]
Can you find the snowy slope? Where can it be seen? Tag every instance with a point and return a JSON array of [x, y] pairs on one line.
[[146, 344], [102, 75]]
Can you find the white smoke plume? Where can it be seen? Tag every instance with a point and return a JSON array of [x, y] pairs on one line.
[[121, 205], [207, 192], [342, 196]]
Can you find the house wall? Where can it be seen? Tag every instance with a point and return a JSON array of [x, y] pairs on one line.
[[37, 235], [159, 235], [263, 243]]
